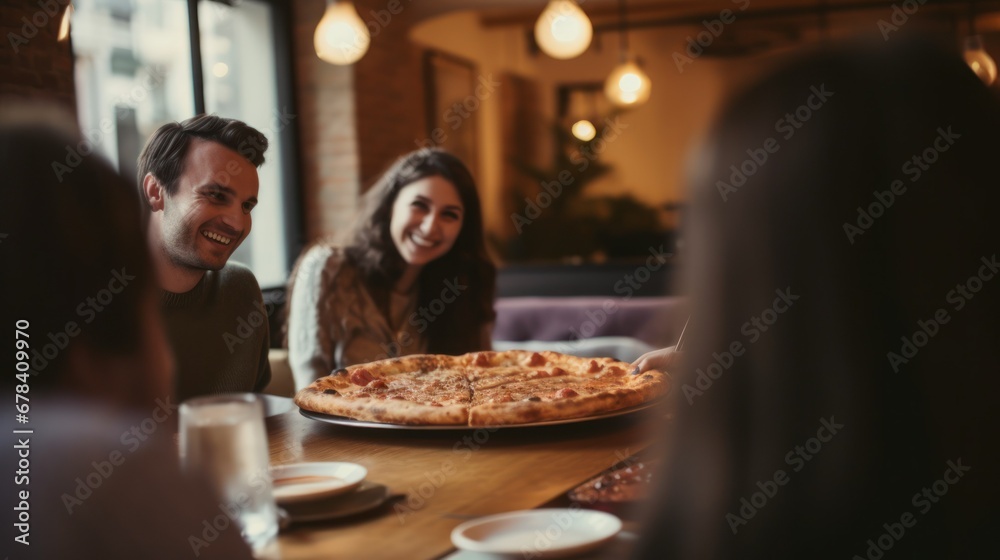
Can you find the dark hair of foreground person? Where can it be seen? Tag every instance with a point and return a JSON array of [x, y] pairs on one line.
[[838, 397]]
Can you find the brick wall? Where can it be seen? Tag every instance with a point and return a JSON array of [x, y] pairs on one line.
[[354, 120], [33, 64], [325, 98], [388, 88]]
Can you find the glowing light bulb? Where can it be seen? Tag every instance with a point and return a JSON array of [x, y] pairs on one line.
[[220, 69], [979, 60], [584, 130], [627, 85], [341, 36], [630, 83], [563, 30]]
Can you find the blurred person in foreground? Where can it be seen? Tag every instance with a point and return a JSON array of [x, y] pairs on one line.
[[97, 474], [838, 395], [199, 181]]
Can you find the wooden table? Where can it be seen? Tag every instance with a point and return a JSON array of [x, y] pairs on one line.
[[447, 476]]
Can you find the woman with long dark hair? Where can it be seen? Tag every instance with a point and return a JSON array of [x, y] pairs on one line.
[[413, 276]]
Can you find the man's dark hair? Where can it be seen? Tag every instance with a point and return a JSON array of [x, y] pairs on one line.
[[164, 153]]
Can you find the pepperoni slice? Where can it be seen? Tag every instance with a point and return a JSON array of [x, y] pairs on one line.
[[481, 360], [566, 392], [594, 367], [536, 359], [378, 384], [362, 377], [556, 371], [616, 371]]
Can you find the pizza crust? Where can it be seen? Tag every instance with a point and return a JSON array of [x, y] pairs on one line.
[[527, 412], [385, 411]]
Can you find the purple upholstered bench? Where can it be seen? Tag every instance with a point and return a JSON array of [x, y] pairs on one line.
[[656, 321]]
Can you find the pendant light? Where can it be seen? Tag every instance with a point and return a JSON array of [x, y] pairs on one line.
[[563, 30], [628, 85], [64, 23], [341, 36], [976, 56], [979, 60], [584, 130]]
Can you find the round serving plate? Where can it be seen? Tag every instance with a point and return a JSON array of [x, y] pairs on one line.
[[343, 421]]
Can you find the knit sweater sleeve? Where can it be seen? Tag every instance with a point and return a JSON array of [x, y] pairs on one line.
[[311, 335]]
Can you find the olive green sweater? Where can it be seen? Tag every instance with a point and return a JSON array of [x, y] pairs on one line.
[[219, 334]]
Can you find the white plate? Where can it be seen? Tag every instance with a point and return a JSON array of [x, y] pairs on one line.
[[320, 480], [534, 533], [365, 497]]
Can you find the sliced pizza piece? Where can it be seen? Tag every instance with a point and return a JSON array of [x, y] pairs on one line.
[[519, 365], [561, 397], [410, 390]]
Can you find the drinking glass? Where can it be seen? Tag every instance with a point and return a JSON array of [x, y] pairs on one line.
[[223, 438]]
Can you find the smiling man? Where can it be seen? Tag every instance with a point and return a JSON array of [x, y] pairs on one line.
[[199, 181]]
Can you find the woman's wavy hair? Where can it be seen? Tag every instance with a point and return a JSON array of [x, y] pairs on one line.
[[370, 248]]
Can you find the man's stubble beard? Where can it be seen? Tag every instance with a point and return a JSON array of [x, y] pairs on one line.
[[180, 245]]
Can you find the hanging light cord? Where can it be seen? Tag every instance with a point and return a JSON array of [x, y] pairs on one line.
[[623, 34], [972, 18]]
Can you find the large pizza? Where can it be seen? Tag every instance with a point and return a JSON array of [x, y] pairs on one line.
[[481, 389]]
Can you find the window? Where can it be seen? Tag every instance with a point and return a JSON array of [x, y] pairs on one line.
[[135, 70]]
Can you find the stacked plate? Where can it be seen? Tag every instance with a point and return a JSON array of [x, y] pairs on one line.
[[325, 490]]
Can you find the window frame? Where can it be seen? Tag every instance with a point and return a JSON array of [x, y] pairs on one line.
[[285, 84]]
